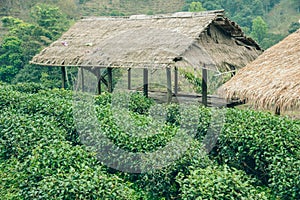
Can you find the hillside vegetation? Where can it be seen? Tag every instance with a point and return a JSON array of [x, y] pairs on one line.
[[278, 14], [29, 26]]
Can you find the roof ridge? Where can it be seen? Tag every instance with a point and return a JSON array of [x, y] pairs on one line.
[[160, 16]]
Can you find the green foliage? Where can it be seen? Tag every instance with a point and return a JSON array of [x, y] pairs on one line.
[[29, 87], [50, 103], [50, 18], [218, 182], [196, 7], [259, 29], [45, 155], [294, 26], [162, 183], [72, 171], [21, 133], [139, 103], [36, 161], [194, 80], [263, 145], [61, 171], [270, 40], [10, 59], [24, 40]]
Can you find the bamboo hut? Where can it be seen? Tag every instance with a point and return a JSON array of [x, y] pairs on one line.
[[272, 81], [203, 40]]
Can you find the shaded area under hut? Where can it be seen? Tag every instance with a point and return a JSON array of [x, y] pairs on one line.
[[272, 81], [206, 41]]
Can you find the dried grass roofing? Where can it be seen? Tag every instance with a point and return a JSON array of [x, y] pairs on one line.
[[140, 41], [272, 80]]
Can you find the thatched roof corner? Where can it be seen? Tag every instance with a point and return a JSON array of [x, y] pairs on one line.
[[272, 80], [142, 41]]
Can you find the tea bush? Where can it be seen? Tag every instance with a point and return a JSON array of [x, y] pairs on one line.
[[61, 171], [49, 148], [265, 146], [20, 133], [218, 182]]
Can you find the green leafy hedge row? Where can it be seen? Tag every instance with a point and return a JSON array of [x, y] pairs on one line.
[[219, 182], [47, 154], [265, 146], [37, 161]]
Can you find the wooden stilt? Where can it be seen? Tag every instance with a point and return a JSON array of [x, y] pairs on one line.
[[277, 110], [63, 77], [129, 78], [82, 79], [204, 86], [99, 80], [169, 85], [176, 81], [110, 80], [145, 84]]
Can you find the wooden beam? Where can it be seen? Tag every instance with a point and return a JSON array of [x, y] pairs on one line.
[[176, 81], [204, 86], [129, 78], [169, 85], [98, 72], [63, 77], [82, 79], [146, 82], [110, 80]]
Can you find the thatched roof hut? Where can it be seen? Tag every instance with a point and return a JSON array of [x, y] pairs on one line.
[[142, 41], [206, 40], [272, 81]]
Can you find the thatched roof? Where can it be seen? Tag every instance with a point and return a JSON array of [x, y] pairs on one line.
[[272, 80], [142, 41]]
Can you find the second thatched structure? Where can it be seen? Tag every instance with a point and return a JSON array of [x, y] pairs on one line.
[[272, 81]]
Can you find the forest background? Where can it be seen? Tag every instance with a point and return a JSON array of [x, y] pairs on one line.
[[28, 26]]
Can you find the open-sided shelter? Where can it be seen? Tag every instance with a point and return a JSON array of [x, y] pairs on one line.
[[272, 81], [203, 40]]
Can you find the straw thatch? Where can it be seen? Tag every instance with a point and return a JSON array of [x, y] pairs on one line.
[[272, 80], [141, 41]]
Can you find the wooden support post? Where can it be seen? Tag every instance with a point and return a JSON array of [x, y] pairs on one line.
[[146, 82], [204, 86], [129, 78], [110, 80], [176, 81], [98, 72], [277, 110], [82, 79], [169, 85], [63, 77]]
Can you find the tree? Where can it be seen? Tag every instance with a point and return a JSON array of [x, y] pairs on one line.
[[11, 59], [50, 18], [24, 40], [294, 26], [259, 29], [196, 7]]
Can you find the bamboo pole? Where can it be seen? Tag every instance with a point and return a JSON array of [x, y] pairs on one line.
[[82, 79], [63, 77], [99, 80], [169, 85], [129, 78], [146, 82], [204, 86], [110, 79], [176, 80]]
